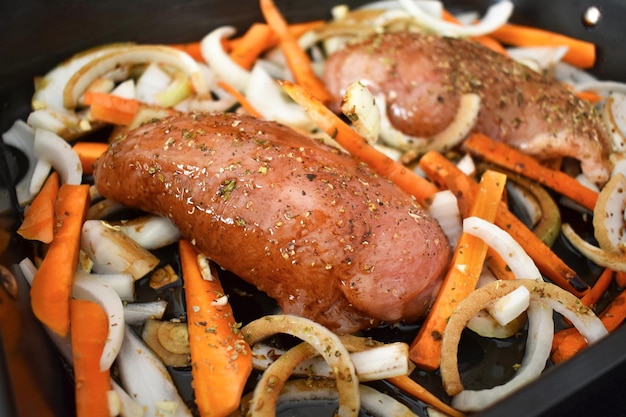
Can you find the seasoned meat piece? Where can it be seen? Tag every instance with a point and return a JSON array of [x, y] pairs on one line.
[[318, 231], [423, 77]]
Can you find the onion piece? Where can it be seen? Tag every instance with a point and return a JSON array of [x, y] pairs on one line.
[[134, 54], [59, 153], [150, 232], [137, 365], [608, 215], [498, 239], [219, 61], [327, 345], [612, 260], [563, 302], [371, 362], [538, 58], [359, 106], [538, 345], [445, 209], [268, 98], [128, 406], [135, 314], [614, 115], [122, 284], [113, 252], [497, 15], [86, 287], [152, 81], [506, 308]]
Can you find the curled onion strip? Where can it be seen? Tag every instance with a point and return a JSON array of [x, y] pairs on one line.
[[518, 260], [612, 260], [565, 303], [497, 15], [326, 343], [220, 62], [538, 345]]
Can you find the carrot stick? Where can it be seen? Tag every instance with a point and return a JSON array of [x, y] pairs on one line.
[[240, 98], [89, 332], [297, 59], [484, 40], [462, 276], [498, 266], [596, 292], [579, 53], [358, 147], [257, 39], [191, 48], [38, 221], [413, 388], [620, 279], [52, 284], [89, 152], [220, 359], [438, 168], [507, 157], [569, 341], [110, 108]]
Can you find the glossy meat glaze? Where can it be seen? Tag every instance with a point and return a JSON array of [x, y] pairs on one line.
[[423, 77], [318, 231]]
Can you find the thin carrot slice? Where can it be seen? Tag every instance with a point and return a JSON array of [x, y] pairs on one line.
[[221, 360], [240, 98], [88, 153], [505, 156], [110, 108], [193, 49], [462, 276], [438, 168], [579, 53], [358, 147], [297, 59], [89, 332], [38, 221], [413, 388], [569, 342], [599, 288], [52, 284], [257, 39]]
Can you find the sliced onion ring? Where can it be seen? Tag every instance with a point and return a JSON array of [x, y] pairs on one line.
[[327, 344], [79, 82], [612, 260], [497, 15], [608, 215], [582, 317], [220, 62]]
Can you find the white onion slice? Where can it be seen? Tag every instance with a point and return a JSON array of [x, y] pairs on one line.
[[56, 150], [40, 175], [220, 62], [359, 106], [445, 209], [152, 81], [122, 284], [87, 287], [614, 115], [146, 379], [128, 406], [608, 215], [150, 232], [135, 314], [538, 345], [268, 98], [134, 54], [327, 344], [113, 252], [507, 308], [497, 15], [498, 239], [538, 58]]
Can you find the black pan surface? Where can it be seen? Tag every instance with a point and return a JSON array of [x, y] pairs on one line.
[[35, 35]]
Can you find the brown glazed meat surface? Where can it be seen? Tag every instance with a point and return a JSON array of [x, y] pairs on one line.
[[423, 77], [314, 229]]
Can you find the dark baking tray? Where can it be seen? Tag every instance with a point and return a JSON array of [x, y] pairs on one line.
[[36, 34]]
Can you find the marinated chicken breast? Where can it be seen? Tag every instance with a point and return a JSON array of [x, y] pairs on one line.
[[423, 77], [318, 231]]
